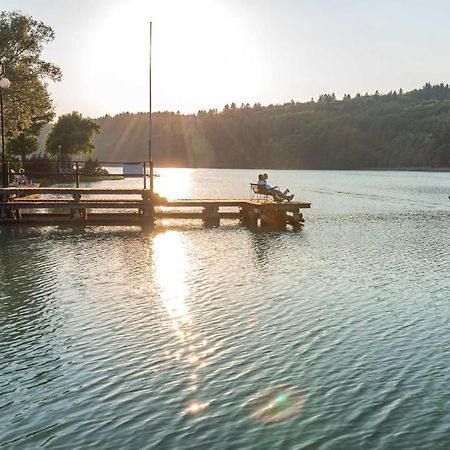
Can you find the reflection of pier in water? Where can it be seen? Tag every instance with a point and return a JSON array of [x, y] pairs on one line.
[[87, 206]]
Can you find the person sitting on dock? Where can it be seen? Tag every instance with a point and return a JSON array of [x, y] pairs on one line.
[[21, 178], [274, 191]]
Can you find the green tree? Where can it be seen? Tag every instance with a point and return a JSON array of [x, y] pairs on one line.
[[72, 135], [28, 106], [22, 144]]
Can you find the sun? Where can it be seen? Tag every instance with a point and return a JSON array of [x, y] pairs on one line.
[[201, 56]]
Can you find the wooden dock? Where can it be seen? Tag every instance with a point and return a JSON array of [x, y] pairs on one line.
[[87, 206]]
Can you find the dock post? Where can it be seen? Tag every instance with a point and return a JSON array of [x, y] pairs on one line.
[[264, 217], [3, 198], [297, 218], [210, 216], [76, 212], [148, 207], [273, 218], [15, 214], [249, 216]]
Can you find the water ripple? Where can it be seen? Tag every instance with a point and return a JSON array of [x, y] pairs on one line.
[[131, 338]]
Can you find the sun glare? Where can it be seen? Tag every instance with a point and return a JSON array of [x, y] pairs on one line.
[[201, 56], [173, 183], [170, 267]]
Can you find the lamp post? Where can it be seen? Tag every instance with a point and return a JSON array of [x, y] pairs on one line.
[[59, 159], [4, 84]]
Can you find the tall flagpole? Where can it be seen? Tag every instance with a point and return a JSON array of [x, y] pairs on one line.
[[150, 159]]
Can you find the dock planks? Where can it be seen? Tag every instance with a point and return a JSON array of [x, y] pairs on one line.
[[82, 205]]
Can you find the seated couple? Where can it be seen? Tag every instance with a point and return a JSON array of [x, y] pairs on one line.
[[274, 191]]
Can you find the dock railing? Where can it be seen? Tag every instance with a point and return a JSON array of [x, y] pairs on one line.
[[73, 172]]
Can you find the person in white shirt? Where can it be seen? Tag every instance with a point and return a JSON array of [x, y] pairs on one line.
[[274, 191], [21, 178]]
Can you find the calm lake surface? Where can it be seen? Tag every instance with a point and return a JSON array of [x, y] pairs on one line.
[[123, 338]]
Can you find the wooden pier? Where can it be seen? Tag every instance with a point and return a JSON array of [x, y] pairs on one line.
[[86, 206]]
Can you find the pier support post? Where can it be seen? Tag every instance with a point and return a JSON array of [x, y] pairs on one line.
[[15, 214], [272, 218], [9, 213], [3, 198], [249, 216], [148, 206], [3, 211], [76, 212], [297, 218], [210, 216]]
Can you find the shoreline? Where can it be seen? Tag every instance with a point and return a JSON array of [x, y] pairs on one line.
[[374, 169], [410, 169]]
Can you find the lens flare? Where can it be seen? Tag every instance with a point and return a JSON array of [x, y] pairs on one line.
[[277, 405]]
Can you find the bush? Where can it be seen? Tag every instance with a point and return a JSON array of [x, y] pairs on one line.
[[39, 165], [92, 167]]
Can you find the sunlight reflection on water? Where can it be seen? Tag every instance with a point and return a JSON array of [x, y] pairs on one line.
[[170, 270]]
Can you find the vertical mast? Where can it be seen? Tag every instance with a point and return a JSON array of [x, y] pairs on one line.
[[150, 159]]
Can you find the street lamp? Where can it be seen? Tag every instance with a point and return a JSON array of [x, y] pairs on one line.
[[4, 84]]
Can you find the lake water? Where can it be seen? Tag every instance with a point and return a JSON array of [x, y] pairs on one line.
[[122, 338]]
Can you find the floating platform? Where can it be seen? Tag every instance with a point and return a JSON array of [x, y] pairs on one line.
[[90, 206]]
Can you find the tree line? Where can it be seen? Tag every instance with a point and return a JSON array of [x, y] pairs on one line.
[[398, 129]]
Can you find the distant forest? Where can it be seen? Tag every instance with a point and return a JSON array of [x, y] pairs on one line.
[[398, 129]]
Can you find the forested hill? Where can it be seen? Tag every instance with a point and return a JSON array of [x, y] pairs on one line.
[[409, 129]]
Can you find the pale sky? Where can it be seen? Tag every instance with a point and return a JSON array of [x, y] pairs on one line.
[[207, 53]]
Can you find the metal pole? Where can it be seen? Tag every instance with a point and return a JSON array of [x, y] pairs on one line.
[[145, 175], [150, 159], [5, 167], [4, 174], [77, 171]]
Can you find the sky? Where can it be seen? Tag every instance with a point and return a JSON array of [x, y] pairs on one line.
[[208, 53]]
